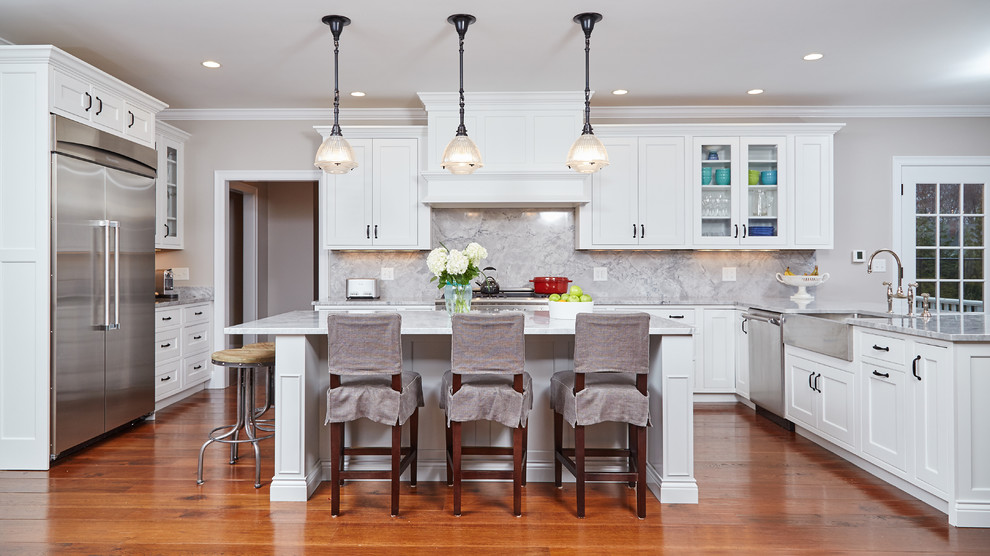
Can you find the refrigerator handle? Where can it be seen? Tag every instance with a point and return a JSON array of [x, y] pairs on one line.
[[105, 224], [116, 275]]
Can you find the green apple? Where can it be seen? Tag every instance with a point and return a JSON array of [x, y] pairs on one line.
[[576, 290], [574, 298], [563, 299], [554, 297], [585, 298]]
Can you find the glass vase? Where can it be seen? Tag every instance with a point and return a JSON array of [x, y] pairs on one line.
[[457, 298]]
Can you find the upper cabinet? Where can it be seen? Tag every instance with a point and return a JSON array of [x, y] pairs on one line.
[[747, 186], [377, 205], [170, 142]]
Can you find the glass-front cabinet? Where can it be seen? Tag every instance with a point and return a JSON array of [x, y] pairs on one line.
[[740, 191], [169, 143]]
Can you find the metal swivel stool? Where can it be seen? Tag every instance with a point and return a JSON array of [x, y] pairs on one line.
[[267, 425], [246, 361]]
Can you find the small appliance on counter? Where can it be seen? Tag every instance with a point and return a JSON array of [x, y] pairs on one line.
[[362, 288], [164, 287]]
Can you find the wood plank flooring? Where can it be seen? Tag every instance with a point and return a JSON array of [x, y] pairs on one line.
[[762, 490]]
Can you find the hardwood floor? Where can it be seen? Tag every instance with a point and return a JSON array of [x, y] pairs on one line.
[[762, 490]]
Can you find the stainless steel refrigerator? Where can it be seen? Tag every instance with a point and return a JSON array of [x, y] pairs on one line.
[[103, 283]]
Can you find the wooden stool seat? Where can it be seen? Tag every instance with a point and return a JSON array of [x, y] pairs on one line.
[[261, 345], [243, 356]]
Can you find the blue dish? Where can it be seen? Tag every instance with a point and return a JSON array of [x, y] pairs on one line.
[[761, 230]]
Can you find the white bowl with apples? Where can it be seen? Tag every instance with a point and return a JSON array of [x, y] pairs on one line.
[[567, 306]]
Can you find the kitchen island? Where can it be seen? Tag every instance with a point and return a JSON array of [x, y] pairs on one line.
[[301, 380]]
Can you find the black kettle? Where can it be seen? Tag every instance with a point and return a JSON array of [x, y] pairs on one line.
[[489, 286]]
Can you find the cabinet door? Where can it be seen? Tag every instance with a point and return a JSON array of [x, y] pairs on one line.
[[716, 201], [108, 110], [348, 202], [837, 412], [719, 355], [139, 124], [168, 232], [71, 96], [801, 398], [931, 408], [742, 355], [810, 206], [661, 191], [763, 186], [885, 415], [615, 195], [395, 195]]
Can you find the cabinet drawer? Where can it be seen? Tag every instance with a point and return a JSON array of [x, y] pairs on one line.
[[166, 380], [168, 318], [166, 345], [195, 339], [882, 348], [195, 314], [196, 369], [677, 315]]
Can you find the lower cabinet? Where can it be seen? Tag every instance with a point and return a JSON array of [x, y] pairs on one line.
[[885, 416], [742, 354], [820, 394], [718, 358], [182, 351]]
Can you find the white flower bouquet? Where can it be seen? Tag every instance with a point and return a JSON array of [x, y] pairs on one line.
[[453, 266]]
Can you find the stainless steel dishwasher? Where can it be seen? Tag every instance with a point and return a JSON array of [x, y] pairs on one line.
[[766, 364]]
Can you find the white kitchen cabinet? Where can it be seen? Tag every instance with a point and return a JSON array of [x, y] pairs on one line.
[[742, 354], [886, 420], [376, 206], [170, 143], [85, 96], [183, 348], [739, 213], [639, 199], [810, 205], [932, 418], [718, 355], [820, 394]]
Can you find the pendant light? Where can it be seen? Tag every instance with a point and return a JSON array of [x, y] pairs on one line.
[[461, 155], [587, 154], [335, 155]]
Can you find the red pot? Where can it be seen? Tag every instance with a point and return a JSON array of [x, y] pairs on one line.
[[550, 284]]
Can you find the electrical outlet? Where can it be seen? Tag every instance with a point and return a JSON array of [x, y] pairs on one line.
[[879, 265], [728, 274], [388, 273], [180, 273], [601, 274]]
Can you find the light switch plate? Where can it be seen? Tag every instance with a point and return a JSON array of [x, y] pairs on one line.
[[601, 274], [180, 273], [388, 273], [728, 274]]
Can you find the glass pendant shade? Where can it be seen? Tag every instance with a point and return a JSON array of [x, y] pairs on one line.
[[461, 156], [335, 156], [587, 154]]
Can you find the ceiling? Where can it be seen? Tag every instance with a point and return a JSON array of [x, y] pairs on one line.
[[666, 53]]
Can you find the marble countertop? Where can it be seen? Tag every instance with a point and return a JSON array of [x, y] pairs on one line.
[[427, 322], [949, 327], [187, 295]]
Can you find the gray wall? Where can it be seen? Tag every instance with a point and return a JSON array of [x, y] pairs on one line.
[[863, 199]]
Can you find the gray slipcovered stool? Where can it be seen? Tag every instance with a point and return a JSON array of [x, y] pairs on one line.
[[246, 361], [611, 363], [487, 381], [366, 380]]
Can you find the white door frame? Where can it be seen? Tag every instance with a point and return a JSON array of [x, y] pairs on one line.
[[250, 252], [221, 188]]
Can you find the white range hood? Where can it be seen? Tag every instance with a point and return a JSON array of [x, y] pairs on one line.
[[523, 138]]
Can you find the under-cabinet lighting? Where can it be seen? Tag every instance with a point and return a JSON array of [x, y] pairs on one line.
[[813, 56], [211, 64], [754, 92]]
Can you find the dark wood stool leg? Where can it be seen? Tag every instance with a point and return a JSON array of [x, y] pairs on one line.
[[396, 457], [558, 433], [449, 455], [414, 445], [633, 449], [641, 468], [456, 463], [336, 438], [579, 465], [525, 448], [517, 470]]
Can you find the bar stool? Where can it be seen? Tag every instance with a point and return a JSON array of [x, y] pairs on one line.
[[609, 383], [366, 380], [246, 361], [487, 381], [266, 424]]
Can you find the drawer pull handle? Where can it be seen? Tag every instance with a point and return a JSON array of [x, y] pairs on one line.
[[132, 119], [100, 109], [89, 106], [878, 348], [165, 379], [675, 317], [197, 367], [166, 318], [914, 367], [634, 231], [197, 337], [198, 313], [818, 388], [810, 378], [885, 375], [165, 345]]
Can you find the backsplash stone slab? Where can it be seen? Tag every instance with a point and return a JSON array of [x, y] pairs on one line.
[[523, 243]]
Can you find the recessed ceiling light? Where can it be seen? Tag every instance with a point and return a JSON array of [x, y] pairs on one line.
[[211, 64], [620, 92], [754, 92], [357, 93], [813, 56]]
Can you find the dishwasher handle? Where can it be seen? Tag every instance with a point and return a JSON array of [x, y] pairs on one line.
[[760, 318]]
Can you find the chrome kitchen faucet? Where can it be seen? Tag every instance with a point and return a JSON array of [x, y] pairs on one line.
[[891, 295]]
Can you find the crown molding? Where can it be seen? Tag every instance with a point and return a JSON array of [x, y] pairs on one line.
[[600, 114], [5, 41]]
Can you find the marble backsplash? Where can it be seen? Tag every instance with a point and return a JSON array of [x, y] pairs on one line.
[[523, 243]]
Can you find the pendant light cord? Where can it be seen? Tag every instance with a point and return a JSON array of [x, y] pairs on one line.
[[335, 130], [461, 130], [587, 83]]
